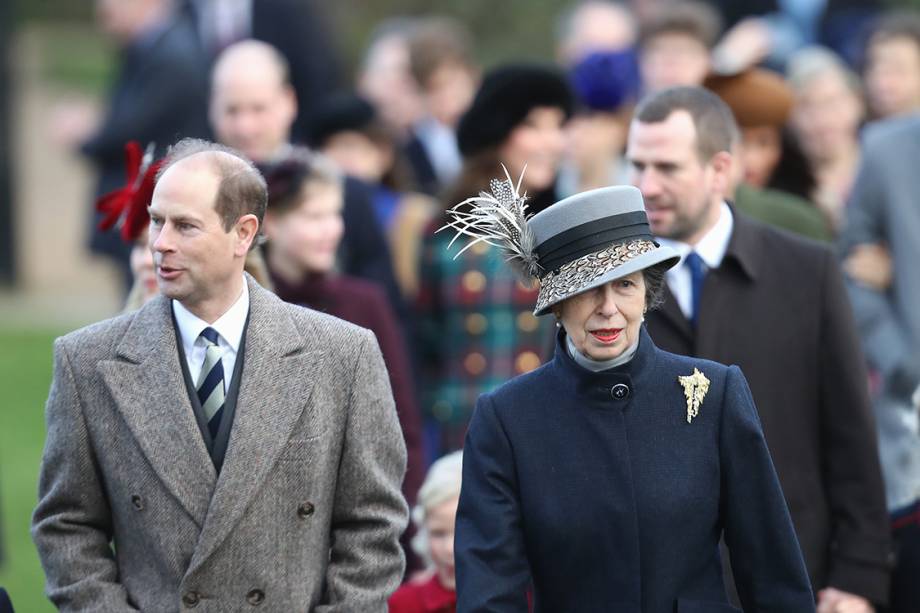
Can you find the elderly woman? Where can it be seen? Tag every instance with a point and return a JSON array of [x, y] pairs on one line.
[[434, 515], [604, 479]]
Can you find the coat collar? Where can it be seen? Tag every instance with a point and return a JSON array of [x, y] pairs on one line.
[[146, 382], [744, 248], [601, 383]]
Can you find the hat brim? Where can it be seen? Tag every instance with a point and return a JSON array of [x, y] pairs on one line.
[[598, 268]]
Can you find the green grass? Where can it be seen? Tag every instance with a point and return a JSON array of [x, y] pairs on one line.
[[25, 375]]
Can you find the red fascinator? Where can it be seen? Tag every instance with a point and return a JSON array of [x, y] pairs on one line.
[[127, 207]]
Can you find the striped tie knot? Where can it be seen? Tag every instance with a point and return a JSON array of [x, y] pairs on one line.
[[210, 385]]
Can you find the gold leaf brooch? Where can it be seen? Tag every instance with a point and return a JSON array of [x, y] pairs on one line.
[[695, 388]]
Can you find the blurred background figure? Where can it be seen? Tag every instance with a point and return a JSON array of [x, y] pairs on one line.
[[885, 293], [596, 45], [299, 30], [773, 181], [892, 65], [253, 107], [434, 516], [159, 96], [349, 132], [826, 117], [441, 63], [385, 78], [303, 225], [675, 45], [475, 325]]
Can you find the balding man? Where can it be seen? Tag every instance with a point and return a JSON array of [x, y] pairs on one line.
[[253, 108], [219, 448]]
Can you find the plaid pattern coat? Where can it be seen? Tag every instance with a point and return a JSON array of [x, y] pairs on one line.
[[476, 330]]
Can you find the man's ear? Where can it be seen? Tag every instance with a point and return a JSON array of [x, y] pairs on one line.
[[722, 164], [246, 229]]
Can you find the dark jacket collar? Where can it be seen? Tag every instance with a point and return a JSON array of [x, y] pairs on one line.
[[744, 247]]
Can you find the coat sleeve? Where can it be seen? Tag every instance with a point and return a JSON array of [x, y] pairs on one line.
[[72, 525], [767, 563], [366, 562], [492, 570], [886, 341], [860, 548]]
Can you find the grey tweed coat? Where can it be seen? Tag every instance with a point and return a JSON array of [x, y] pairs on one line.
[[306, 512]]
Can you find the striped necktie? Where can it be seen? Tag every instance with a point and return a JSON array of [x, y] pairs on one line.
[[211, 382]]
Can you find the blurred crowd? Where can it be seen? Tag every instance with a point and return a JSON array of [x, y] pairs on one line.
[[361, 169]]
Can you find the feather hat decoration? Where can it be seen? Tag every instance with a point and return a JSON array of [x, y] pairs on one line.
[[498, 219], [126, 207]]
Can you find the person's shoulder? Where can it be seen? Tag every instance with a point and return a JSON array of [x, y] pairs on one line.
[[781, 245], [324, 327], [885, 134], [100, 338], [527, 385], [675, 363]]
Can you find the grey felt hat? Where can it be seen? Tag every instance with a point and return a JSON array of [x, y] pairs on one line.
[[588, 239], [577, 244]]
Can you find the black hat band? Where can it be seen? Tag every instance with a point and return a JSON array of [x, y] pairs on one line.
[[592, 236]]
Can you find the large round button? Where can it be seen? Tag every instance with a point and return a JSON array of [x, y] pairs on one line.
[[526, 361], [474, 363], [137, 502], [305, 510], [255, 597], [191, 599], [473, 281], [620, 391]]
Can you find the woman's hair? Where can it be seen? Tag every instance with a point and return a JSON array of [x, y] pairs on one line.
[[793, 173], [287, 180], [654, 285], [442, 483]]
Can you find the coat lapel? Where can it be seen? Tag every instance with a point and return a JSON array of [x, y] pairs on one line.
[[671, 313], [278, 375], [146, 383]]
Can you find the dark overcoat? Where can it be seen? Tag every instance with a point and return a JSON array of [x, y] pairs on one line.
[[777, 308], [595, 489]]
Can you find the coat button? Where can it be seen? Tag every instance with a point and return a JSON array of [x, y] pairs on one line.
[[619, 391], [255, 597], [191, 599], [305, 510], [137, 502]]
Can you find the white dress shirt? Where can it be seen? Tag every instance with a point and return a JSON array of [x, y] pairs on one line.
[[229, 328], [711, 249]]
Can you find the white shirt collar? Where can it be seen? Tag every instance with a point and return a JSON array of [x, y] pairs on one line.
[[712, 247], [229, 326]]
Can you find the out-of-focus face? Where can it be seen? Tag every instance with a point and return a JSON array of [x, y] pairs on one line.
[[604, 322], [449, 92], [682, 193], [537, 142], [672, 59], [893, 76], [439, 524], [198, 262], [387, 82], [597, 26], [761, 151], [595, 136], [123, 19], [252, 110], [826, 116], [306, 238], [358, 156], [142, 267]]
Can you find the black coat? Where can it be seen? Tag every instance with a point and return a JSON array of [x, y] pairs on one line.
[[159, 96], [596, 488], [776, 307]]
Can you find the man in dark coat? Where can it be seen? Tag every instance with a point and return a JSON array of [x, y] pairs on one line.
[[775, 305], [159, 96], [253, 107]]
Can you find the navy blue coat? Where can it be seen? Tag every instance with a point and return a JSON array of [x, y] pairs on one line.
[[617, 504]]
